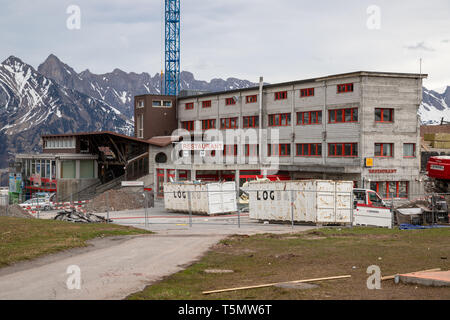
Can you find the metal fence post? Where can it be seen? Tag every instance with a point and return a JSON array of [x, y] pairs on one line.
[[190, 208], [352, 203], [239, 211], [292, 208], [107, 205], [38, 208], [146, 208]]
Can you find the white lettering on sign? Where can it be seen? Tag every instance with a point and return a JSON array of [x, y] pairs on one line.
[[436, 167], [202, 146]]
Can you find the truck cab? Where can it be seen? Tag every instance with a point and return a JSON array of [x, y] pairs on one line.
[[370, 209]]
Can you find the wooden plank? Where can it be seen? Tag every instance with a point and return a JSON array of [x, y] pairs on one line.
[[272, 284], [394, 275]]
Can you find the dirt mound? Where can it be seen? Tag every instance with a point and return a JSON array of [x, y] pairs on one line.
[[14, 211], [118, 200]]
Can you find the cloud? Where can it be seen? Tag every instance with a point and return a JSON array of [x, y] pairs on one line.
[[420, 46]]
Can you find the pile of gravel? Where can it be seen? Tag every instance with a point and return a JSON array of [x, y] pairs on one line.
[[14, 211], [118, 200]]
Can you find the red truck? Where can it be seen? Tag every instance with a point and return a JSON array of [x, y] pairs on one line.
[[438, 168]]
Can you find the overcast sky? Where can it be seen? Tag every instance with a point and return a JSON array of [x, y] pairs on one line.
[[281, 40]]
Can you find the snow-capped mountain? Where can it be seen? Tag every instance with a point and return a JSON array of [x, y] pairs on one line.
[[32, 105], [435, 106], [118, 88]]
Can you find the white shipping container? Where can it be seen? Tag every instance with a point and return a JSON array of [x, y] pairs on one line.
[[206, 198], [316, 201]]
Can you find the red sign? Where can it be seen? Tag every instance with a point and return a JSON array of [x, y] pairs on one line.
[[382, 170]]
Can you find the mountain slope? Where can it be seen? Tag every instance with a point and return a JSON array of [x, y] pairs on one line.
[[435, 106], [32, 105], [118, 88]]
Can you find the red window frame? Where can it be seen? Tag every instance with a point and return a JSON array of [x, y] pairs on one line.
[[208, 124], [277, 151], [206, 104], [301, 116], [254, 148], [230, 101], [353, 147], [230, 150], [281, 117], [345, 87], [308, 92], [414, 151], [353, 115], [189, 106], [385, 194], [281, 95], [305, 150], [252, 122], [382, 146], [187, 125], [229, 123], [391, 115], [251, 99]]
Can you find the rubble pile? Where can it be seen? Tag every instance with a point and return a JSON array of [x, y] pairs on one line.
[[14, 211], [116, 200], [79, 217]]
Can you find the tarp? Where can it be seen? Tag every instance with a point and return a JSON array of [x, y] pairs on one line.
[[405, 226]]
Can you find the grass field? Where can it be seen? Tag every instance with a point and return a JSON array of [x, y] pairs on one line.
[[22, 239], [321, 253]]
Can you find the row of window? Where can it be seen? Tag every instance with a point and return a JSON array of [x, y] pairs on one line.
[[387, 150], [315, 149], [155, 103], [303, 118], [280, 95]]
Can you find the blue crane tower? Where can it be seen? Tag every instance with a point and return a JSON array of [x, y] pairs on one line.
[[172, 47]]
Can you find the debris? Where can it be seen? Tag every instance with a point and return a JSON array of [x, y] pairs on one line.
[[218, 271], [14, 211], [434, 279], [74, 216], [276, 283]]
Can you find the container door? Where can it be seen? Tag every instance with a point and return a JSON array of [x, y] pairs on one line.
[[326, 206]]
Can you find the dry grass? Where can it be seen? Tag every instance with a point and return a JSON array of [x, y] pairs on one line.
[[327, 252], [22, 239]]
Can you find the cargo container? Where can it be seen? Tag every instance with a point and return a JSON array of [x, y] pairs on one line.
[[206, 198], [315, 201]]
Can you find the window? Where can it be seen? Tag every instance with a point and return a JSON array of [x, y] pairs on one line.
[[384, 149], [309, 117], [206, 104], [342, 149], [140, 103], [189, 106], [230, 101], [277, 120], [67, 169], [343, 115], [187, 125], [391, 189], [251, 150], [282, 149], [409, 150], [208, 124], [230, 150], [281, 95], [251, 99], [87, 169], [229, 123], [157, 103], [309, 150], [140, 126], [251, 122], [167, 103], [306, 92], [384, 115], [347, 87]]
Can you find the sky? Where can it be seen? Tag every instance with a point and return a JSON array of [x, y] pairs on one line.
[[281, 40]]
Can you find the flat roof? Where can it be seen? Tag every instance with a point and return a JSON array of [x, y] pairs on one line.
[[329, 77]]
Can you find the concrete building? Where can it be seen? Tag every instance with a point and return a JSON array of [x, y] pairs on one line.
[[359, 126]]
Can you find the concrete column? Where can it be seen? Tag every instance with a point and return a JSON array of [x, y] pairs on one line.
[[95, 169], [193, 175], [58, 169], [177, 175], [77, 169], [155, 180], [166, 175]]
